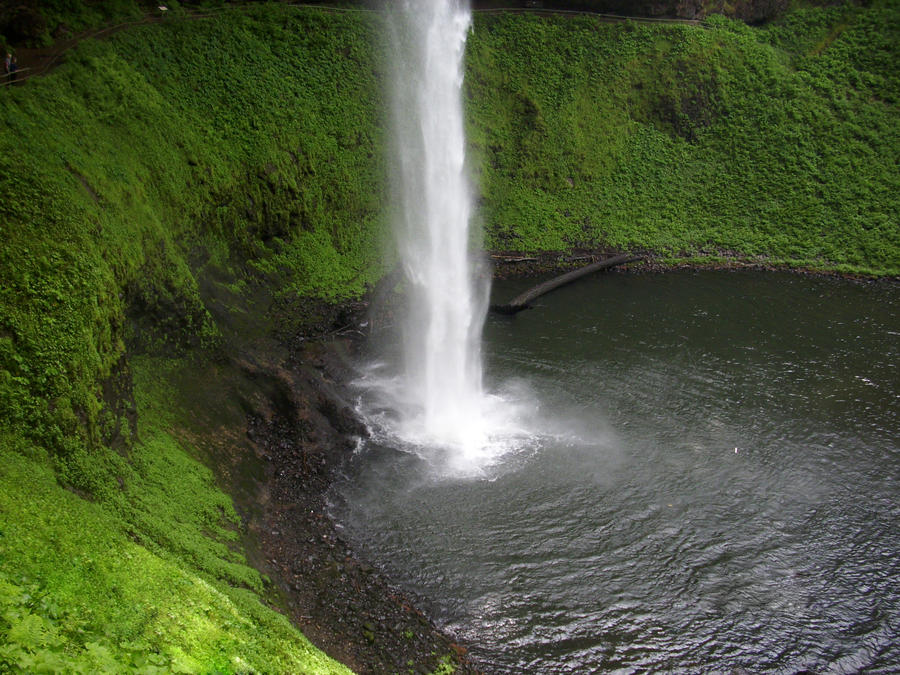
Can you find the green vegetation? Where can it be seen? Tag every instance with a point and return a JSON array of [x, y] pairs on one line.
[[240, 149], [160, 182], [774, 145], [151, 174], [143, 581]]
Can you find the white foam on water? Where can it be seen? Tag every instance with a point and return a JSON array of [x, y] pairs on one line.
[[502, 427]]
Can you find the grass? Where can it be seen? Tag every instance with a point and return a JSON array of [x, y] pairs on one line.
[[151, 159], [143, 165]]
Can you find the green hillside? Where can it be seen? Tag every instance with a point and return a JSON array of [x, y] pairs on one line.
[[773, 144], [241, 151]]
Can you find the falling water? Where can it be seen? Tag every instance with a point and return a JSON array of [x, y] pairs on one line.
[[446, 303], [437, 400]]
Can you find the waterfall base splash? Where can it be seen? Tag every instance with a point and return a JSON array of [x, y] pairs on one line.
[[465, 443]]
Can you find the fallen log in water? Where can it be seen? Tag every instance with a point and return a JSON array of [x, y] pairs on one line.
[[512, 259], [523, 300]]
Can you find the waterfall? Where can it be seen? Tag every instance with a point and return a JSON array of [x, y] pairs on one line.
[[435, 402], [446, 300]]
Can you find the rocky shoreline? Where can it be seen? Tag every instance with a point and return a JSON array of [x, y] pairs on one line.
[[300, 430], [514, 265]]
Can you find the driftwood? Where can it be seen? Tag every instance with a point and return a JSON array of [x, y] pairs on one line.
[[512, 259], [523, 301]]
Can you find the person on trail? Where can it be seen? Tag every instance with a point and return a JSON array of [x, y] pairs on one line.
[[13, 70]]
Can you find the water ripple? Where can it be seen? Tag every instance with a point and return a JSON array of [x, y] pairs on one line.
[[712, 486]]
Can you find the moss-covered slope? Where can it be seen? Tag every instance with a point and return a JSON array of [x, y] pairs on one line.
[[775, 144], [151, 174], [243, 145]]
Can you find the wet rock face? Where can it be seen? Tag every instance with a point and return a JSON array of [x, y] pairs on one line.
[[750, 11], [302, 429]]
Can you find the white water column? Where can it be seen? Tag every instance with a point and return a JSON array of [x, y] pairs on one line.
[[446, 303]]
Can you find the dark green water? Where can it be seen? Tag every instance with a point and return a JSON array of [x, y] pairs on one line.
[[711, 483]]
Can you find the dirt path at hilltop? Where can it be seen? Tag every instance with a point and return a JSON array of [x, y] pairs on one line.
[[37, 61]]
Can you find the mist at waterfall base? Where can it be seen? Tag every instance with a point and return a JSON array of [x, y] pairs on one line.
[[426, 395], [725, 497]]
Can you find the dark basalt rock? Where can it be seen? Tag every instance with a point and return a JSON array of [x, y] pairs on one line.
[[301, 430]]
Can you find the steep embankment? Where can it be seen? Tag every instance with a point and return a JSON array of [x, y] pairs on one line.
[[773, 145], [176, 196], [152, 187]]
